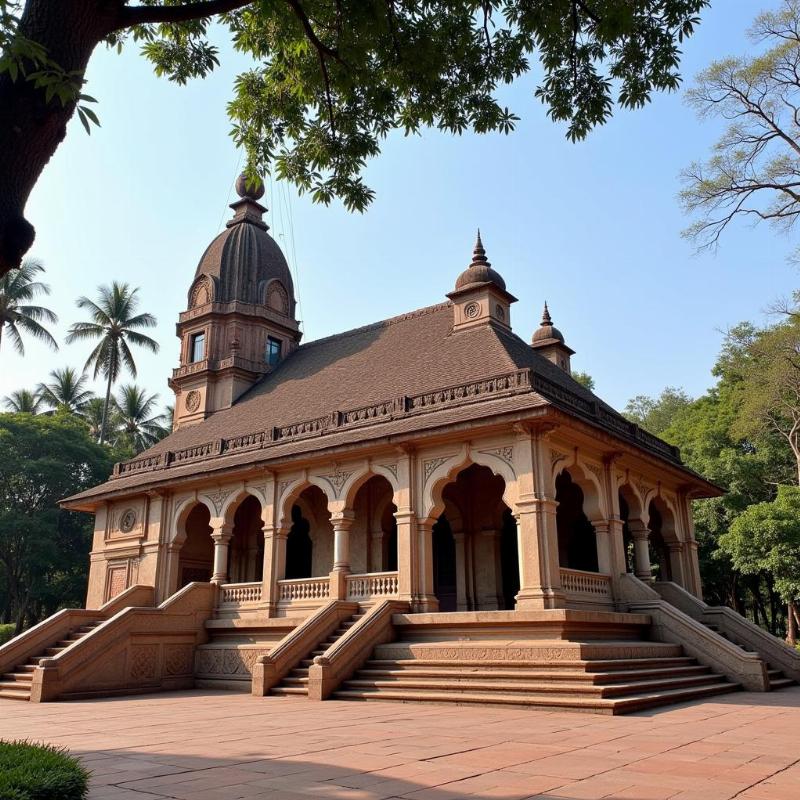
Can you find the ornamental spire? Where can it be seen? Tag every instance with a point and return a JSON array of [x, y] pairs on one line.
[[546, 320], [479, 253]]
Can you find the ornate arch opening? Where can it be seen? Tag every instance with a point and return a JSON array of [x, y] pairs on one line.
[[577, 544], [309, 544], [662, 533], [196, 555], [475, 556], [630, 509], [246, 551], [373, 536]]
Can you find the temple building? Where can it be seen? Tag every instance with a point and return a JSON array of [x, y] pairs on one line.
[[426, 508]]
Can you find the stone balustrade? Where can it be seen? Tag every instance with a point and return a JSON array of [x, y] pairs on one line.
[[240, 593], [304, 589], [587, 587], [372, 584]]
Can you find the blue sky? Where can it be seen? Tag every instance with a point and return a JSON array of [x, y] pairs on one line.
[[593, 228]]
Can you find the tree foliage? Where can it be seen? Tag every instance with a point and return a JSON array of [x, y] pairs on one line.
[[44, 549], [333, 78], [754, 168], [657, 414], [18, 315]]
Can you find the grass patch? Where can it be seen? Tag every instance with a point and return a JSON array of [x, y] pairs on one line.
[[40, 772], [6, 632]]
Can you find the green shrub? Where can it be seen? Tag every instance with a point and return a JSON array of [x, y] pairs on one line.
[[6, 633], [40, 772]]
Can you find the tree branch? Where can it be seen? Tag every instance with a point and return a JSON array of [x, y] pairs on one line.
[[154, 15]]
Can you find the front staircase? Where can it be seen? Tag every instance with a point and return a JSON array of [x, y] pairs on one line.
[[16, 685], [296, 682], [659, 674]]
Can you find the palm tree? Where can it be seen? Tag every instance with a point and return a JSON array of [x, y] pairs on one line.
[[17, 316], [66, 390], [92, 415], [115, 323], [23, 401], [138, 424]]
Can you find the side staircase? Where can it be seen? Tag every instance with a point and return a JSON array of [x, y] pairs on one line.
[[16, 685], [777, 678], [638, 675], [296, 682]]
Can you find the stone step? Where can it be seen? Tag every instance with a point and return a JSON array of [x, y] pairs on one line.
[[17, 677], [368, 671], [24, 668], [289, 690], [15, 694], [780, 683], [52, 651], [532, 688], [607, 705], [589, 665], [294, 680]]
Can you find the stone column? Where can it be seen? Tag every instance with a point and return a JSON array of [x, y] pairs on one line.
[[537, 543], [342, 523], [641, 550], [676, 563], [602, 538], [426, 599], [377, 551], [406, 555], [492, 574], [461, 572], [222, 538], [274, 565]]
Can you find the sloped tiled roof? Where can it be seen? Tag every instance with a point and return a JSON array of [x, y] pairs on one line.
[[395, 376]]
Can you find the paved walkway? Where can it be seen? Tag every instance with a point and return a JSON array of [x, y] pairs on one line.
[[218, 746]]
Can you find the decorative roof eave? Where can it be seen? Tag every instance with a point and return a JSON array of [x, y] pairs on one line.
[[540, 343], [471, 287]]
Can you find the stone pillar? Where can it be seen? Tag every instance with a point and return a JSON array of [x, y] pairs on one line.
[[425, 600], [641, 550], [377, 551], [537, 542], [342, 523], [274, 565], [222, 538], [602, 538], [461, 572], [676, 563], [406, 555], [170, 579], [694, 569], [491, 572]]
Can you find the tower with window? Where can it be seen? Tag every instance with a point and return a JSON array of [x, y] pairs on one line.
[[241, 316]]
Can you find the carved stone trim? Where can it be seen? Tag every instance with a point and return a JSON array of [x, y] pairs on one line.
[[505, 454], [337, 480], [429, 466]]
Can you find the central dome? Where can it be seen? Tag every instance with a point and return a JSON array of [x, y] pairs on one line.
[[480, 270], [244, 259]]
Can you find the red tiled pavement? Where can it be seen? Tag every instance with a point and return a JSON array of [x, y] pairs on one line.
[[220, 746]]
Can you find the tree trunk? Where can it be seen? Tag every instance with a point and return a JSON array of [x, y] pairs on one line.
[[31, 129], [104, 421], [791, 625]]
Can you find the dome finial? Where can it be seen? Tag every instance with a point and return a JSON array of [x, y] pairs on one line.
[[546, 320], [479, 253], [249, 189]]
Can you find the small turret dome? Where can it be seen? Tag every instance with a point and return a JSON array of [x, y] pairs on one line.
[[244, 260], [546, 331], [480, 270]]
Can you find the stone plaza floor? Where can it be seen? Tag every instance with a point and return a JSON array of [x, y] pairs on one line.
[[204, 745]]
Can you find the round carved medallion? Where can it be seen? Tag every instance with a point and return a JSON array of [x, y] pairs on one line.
[[501, 314], [127, 521], [471, 310], [193, 401]]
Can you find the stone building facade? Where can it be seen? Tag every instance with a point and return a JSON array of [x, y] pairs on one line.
[[430, 475]]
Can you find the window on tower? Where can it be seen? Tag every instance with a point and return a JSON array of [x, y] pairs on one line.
[[197, 347], [273, 351]]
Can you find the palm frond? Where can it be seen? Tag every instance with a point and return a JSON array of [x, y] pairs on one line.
[[37, 331]]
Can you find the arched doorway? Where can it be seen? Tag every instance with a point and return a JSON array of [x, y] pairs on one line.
[[299, 547], [246, 552], [309, 544], [196, 557], [475, 551], [373, 535], [577, 545], [659, 552]]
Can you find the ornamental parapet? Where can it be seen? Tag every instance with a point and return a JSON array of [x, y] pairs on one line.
[[518, 382]]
